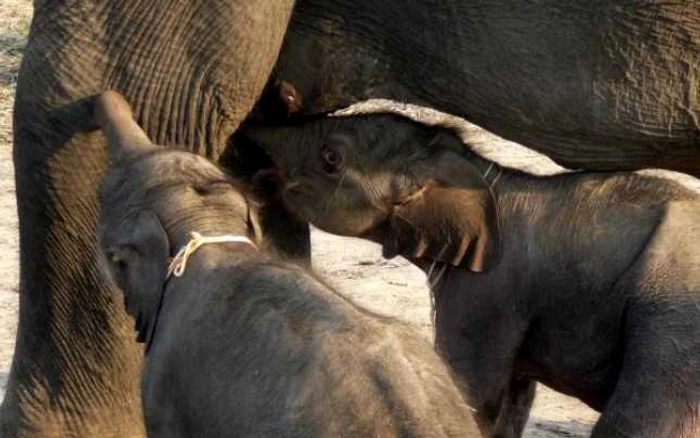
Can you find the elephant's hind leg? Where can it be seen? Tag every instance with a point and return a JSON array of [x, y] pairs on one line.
[[658, 390], [647, 410], [76, 366]]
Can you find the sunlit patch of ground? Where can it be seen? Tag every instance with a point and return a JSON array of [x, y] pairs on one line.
[[15, 16]]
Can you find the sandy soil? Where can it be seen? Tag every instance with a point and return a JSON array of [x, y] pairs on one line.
[[392, 287], [15, 16]]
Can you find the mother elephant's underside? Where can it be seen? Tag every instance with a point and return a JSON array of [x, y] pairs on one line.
[[598, 86]]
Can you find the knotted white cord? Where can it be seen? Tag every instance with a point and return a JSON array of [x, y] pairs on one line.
[[179, 262]]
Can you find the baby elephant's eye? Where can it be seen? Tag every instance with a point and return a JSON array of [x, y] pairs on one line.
[[332, 159]]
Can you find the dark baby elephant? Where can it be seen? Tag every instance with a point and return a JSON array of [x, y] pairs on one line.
[[587, 282], [237, 342]]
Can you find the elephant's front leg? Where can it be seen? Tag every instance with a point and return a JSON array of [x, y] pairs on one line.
[[192, 71], [480, 345], [502, 404], [515, 408]]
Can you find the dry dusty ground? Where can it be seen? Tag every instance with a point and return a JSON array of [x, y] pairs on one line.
[[387, 286], [14, 26]]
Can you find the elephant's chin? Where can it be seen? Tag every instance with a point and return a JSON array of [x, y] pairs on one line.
[[377, 233], [308, 206], [353, 229], [349, 223]]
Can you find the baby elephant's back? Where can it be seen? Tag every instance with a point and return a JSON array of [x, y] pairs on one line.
[[384, 381], [358, 374], [287, 356]]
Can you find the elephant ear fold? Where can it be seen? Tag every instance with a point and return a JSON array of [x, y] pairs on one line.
[[452, 219], [139, 264]]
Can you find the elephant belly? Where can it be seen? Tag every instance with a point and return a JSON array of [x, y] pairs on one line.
[[576, 359]]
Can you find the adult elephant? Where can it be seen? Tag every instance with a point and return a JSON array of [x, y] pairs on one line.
[[192, 70], [601, 86], [597, 85]]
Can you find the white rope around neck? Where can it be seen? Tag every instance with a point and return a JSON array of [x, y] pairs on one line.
[[179, 262], [495, 180]]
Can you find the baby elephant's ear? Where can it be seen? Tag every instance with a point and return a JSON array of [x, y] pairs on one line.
[[452, 219], [139, 262]]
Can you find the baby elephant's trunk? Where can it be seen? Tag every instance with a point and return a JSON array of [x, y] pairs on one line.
[[125, 137]]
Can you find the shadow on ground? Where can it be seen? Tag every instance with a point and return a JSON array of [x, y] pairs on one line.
[[541, 428], [11, 50]]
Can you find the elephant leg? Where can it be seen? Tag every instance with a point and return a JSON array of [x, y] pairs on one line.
[[192, 71], [647, 406], [481, 346], [505, 415], [515, 408], [658, 392]]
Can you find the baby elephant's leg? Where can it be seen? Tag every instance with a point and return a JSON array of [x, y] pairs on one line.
[[658, 390], [515, 408], [502, 405], [481, 347]]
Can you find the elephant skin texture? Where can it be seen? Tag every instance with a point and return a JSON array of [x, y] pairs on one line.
[[586, 282], [192, 71], [242, 343], [597, 86]]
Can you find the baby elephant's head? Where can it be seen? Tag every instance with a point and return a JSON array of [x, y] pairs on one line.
[[150, 201], [387, 178]]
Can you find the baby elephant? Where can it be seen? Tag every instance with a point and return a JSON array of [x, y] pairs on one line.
[[239, 344], [587, 282]]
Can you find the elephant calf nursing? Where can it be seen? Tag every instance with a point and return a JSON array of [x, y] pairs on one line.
[[587, 282], [600, 299], [242, 344]]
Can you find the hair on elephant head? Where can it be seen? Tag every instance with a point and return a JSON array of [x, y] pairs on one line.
[[151, 189], [389, 179]]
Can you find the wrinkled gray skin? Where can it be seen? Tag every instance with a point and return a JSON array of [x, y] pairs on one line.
[[600, 86], [597, 85], [192, 70], [595, 290], [245, 344]]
